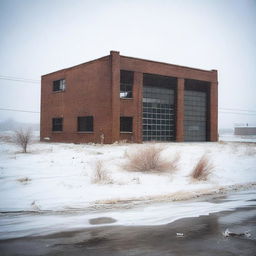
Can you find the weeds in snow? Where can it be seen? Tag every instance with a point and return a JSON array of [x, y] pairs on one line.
[[24, 181], [136, 180], [35, 206], [202, 169], [149, 159], [100, 174]]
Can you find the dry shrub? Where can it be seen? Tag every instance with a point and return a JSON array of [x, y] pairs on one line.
[[120, 142], [148, 159], [202, 169], [100, 174], [23, 138], [24, 180]]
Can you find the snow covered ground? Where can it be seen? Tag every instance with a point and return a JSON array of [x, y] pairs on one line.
[[238, 138], [20, 224], [58, 176]]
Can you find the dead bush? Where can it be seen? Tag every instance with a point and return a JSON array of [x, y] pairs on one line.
[[149, 159], [202, 169], [100, 174], [25, 180], [23, 138]]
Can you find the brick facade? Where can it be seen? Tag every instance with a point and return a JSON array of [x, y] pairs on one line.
[[93, 89]]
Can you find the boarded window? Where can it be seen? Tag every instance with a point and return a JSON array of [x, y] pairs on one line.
[[85, 123], [59, 85], [125, 124], [57, 124], [126, 84]]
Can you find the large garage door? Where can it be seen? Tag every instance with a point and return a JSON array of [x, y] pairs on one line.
[[195, 116], [158, 113]]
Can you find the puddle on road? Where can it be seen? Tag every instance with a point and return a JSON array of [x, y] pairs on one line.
[[14, 225], [101, 220]]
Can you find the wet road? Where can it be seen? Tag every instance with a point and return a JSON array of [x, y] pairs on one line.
[[202, 236]]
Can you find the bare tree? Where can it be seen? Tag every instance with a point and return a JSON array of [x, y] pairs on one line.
[[22, 138]]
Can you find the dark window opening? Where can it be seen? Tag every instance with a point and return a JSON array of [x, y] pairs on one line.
[[126, 84], [125, 124], [159, 81], [197, 85], [85, 123], [196, 110], [57, 124], [59, 85]]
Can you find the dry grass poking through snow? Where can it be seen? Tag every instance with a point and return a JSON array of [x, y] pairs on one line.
[[149, 159], [202, 169], [100, 174], [24, 181]]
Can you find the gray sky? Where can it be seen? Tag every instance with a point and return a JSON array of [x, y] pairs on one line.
[[38, 37]]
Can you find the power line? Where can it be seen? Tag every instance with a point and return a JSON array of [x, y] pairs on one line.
[[37, 112], [19, 110], [238, 113], [20, 79], [236, 109]]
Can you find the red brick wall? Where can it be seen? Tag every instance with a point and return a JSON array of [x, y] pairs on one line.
[[141, 66], [115, 82], [93, 88], [88, 92], [214, 111], [152, 67]]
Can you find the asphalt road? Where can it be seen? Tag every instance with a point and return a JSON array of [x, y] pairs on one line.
[[202, 236]]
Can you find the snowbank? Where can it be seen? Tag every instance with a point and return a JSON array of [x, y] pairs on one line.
[[56, 176]]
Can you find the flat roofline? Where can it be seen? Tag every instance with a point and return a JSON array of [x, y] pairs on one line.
[[134, 58], [169, 64], [76, 66]]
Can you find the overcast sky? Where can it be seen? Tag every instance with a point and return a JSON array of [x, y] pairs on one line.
[[38, 37]]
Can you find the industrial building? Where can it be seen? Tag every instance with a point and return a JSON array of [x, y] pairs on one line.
[[116, 98], [245, 130]]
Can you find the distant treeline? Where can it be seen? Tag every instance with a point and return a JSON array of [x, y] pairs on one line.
[[11, 125]]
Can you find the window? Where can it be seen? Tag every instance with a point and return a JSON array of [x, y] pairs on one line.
[[126, 84], [159, 112], [57, 124], [85, 123], [59, 85], [125, 124]]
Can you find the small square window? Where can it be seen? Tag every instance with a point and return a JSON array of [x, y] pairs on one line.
[[59, 85], [57, 124], [125, 124], [85, 124]]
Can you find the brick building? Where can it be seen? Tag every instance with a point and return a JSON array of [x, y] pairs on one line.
[[117, 98]]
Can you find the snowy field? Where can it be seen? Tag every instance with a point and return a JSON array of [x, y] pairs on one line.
[[237, 138], [58, 176]]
